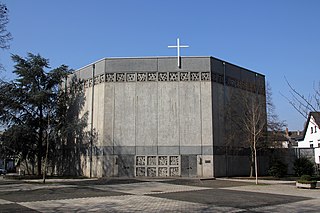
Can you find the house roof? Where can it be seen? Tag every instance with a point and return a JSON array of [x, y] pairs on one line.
[[316, 116]]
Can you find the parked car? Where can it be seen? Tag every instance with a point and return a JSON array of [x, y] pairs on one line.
[[3, 171]]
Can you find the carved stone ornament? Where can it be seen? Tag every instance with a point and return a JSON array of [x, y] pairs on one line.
[[140, 160], [163, 160], [140, 171]]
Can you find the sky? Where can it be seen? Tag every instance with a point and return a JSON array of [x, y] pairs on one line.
[[278, 38]]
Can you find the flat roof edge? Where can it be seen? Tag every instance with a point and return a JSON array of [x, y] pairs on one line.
[[157, 57]]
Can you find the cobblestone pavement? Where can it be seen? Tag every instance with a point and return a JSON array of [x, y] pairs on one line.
[[155, 196]]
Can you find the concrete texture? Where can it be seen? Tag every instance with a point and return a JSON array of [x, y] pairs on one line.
[[149, 106]]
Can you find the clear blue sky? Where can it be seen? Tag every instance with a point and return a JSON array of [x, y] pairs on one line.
[[277, 38]]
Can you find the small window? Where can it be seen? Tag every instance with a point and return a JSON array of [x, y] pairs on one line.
[[311, 130], [315, 129], [311, 145]]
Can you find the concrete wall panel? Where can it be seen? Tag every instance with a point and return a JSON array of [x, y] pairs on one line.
[[168, 150], [205, 165], [217, 66], [190, 116], [124, 150], [146, 114], [107, 165], [98, 112], [233, 71], [86, 72], [131, 64], [168, 114], [248, 76], [108, 114], [124, 116], [194, 150], [87, 106], [146, 150], [100, 67], [206, 115], [218, 113], [187, 64], [207, 150]]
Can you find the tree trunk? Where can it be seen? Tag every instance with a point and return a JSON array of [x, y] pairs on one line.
[[27, 166], [255, 159], [39, 157], [46, 156], [251, 162], [32, 166]]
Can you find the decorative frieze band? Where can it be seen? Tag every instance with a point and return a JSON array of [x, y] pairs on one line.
[[174, 77], [149, 76]]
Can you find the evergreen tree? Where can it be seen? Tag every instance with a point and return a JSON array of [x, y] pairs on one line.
[[27, 102]]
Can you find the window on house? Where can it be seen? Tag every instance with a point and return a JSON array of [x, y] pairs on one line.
[[311, 130], [311, 145], [315, 129]]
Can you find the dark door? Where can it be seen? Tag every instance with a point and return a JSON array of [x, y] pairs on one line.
[[188, 165], [125, 165]]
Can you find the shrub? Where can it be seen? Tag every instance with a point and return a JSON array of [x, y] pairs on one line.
[[307, 179], [278, 168], [303, 166]]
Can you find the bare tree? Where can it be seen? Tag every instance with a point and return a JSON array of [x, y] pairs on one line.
[[247, 113], [304, 104], [253, 121], [5, 36]]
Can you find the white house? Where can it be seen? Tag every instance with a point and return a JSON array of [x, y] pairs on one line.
[[311, 137]]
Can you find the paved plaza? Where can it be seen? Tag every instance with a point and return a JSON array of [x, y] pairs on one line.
[[155, 195]]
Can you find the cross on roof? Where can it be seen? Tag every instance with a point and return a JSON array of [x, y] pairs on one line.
[[178, 46]]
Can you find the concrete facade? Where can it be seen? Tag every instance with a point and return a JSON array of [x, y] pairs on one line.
[[152, 118]]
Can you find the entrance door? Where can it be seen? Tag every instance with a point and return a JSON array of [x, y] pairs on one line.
[[188, 165], [125, 165]]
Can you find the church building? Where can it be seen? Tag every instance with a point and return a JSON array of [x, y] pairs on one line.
[[154, 117]]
